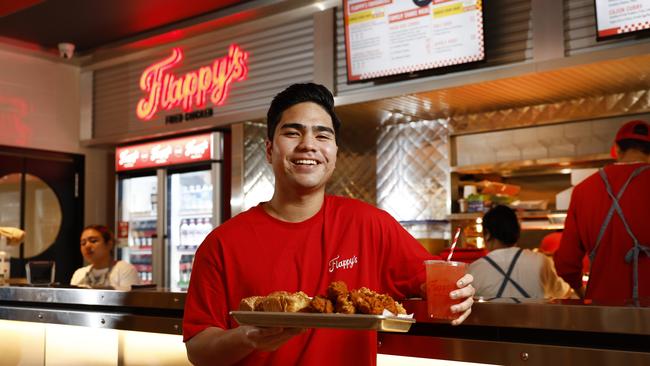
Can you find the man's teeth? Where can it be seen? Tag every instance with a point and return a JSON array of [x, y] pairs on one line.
[[306, 162]]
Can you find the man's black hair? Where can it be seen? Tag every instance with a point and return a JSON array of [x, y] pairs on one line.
[[632, 144], [299, 93], [501, 222]]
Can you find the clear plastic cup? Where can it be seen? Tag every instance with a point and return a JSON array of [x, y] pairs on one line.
[[441, 280]]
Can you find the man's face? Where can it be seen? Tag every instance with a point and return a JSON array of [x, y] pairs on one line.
[[303, 150]]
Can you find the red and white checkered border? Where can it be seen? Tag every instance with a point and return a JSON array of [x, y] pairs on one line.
[[634, 27], [435, 64]]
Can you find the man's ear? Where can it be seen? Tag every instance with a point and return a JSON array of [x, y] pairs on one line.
[[618, 152], [268, 147], [111, 245]]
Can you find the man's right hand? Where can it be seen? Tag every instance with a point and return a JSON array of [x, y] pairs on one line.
[[267, 339], [230, 346]]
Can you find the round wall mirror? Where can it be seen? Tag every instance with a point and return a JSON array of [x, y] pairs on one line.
[[42, 212]]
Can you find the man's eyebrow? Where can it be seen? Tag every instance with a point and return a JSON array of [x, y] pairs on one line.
[[324, 129], [300, 126]]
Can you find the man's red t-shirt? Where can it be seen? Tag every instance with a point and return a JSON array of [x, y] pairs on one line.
[[255, 254], [611, 276]]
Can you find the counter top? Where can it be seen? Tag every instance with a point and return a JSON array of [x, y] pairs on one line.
[[530, 333], [565, 315], [161, 310], [157, 298], [149, 310]]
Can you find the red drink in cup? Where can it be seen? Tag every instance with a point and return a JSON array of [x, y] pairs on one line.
[[441, 280]]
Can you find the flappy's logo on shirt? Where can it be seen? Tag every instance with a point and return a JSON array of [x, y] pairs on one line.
[[346, 263]]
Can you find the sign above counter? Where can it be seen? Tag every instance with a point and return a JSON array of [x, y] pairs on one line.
[[615, 18], [180, 150], [166, 91], [384, 37]]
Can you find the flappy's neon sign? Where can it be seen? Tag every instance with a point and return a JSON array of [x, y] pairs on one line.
[[165, 91]]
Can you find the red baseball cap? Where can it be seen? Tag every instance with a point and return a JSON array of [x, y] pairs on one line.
[[550, 243], [634, 130]]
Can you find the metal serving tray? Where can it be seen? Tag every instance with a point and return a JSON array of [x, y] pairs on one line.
[[311, 320]]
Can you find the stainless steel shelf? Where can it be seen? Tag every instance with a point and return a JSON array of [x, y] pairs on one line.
[[535, 166], [521, 214]]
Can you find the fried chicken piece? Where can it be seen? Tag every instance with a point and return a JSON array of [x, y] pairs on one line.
[[296, 302], [249, 303], [364, 304], [272, 302], [344, 305], [369, 302], [337, 289], [320, 304], [282, 301], [400, 308]]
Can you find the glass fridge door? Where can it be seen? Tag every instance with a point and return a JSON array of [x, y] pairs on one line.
[[190, 221], [137, 220]]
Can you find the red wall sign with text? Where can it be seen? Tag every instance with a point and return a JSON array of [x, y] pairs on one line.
[[163, 153], [165, 91]]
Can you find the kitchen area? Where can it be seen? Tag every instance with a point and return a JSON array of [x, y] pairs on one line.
[[435, 148]]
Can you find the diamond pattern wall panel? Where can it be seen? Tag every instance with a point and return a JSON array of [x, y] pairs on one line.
[[588, 108], [356, 164], [413, 170], [258, 175]]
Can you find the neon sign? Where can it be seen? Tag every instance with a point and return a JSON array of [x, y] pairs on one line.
[[165, 91]]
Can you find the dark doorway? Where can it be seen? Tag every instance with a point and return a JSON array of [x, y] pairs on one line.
[[41, 192]]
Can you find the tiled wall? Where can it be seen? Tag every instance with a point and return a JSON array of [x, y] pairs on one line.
[[258, 174], [413, 170], [565, 140]]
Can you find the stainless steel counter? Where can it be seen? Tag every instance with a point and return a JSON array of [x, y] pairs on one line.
[[565, 315], [148, 310], [530, 333]]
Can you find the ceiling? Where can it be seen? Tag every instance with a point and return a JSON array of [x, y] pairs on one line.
[[595, 79], [94, 24]]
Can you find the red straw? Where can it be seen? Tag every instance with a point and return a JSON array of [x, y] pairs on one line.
[[453, 244]]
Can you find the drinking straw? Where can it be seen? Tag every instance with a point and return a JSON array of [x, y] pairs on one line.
[[453, 244]]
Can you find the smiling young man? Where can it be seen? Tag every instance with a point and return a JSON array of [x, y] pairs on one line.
[[301, 240]]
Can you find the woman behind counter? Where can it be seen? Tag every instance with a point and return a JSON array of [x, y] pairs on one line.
[[97, 243]]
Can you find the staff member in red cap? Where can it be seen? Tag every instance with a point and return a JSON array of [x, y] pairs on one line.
[[608, 219]]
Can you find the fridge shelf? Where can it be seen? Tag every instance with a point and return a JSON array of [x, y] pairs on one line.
[[145, 216], [187, 248], [195, 213], [139, 249]]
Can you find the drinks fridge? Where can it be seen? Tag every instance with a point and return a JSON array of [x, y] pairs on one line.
[[169, 199]]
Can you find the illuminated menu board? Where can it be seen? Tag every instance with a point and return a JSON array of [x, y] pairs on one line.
[[391, 37], [616, 17]]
